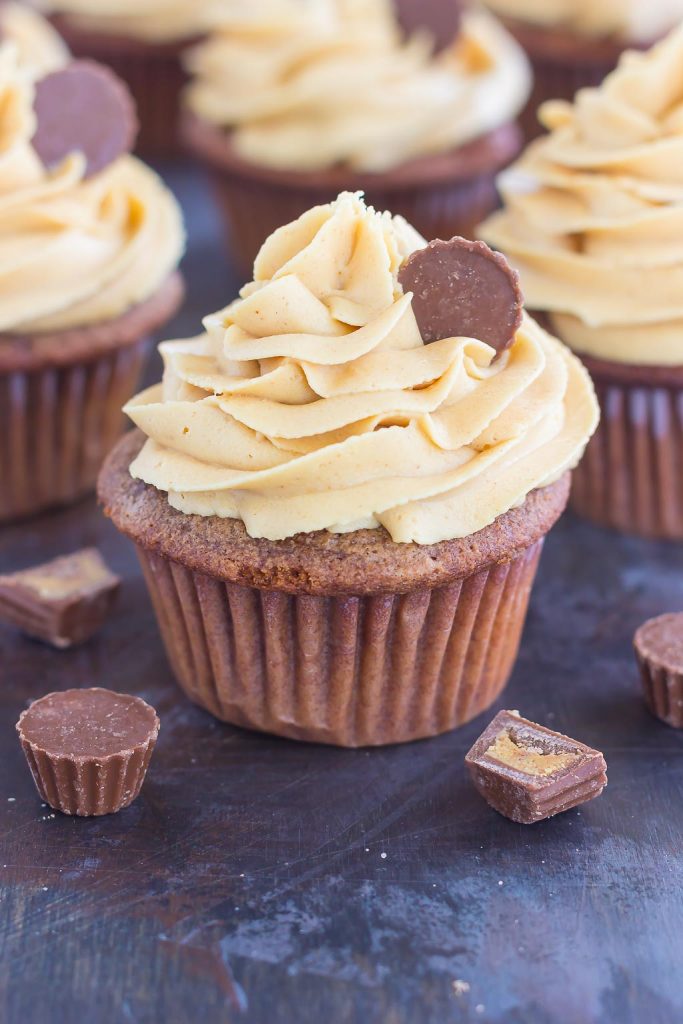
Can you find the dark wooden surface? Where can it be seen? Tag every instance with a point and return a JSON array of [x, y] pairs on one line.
[[262, 881]]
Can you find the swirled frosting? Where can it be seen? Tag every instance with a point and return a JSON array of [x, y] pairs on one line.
[[307, 84], [74, 251], [40, 47], [312, 403], [152, 21], [638, 21], [593, 216]]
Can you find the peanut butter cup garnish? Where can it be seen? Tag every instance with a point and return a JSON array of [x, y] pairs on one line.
[[440, 18], [658, 645]]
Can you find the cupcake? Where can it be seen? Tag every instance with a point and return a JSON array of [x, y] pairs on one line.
[[142, 41], [293, 101], [40, 47], [573, 44], [91, 241], [338, 522], [593, 222]]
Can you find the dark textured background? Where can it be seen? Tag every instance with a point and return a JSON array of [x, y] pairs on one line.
[[262, 881]]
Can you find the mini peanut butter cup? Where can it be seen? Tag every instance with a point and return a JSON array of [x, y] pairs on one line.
[[440, 18], [527, 772], [463, 289], [88, 750], [658, 644]]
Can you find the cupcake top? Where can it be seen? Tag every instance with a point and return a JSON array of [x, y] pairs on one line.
[[76, 248], [312, 401], [310, 84], [39, 46], [593, 217], [638, 21], [150, 21]]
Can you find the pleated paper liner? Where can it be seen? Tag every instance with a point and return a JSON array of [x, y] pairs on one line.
[[631, 477], [89, 786], [60, 405], [154, 74], [441, 196]]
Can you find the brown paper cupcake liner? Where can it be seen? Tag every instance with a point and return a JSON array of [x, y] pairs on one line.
[[631, 477], [87, 787], [350, 671]]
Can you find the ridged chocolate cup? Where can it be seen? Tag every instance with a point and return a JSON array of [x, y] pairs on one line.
[[153, 72], [658, 646], [441, 196], [60, 403], [349, 639], [92, 784]]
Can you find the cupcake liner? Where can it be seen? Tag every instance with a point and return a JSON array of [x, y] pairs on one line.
[[56, 425], [631, 477], [344, 670], [89, 786]]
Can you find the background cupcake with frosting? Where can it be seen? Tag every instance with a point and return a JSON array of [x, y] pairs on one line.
[[576, 43], [142, 41], [292, 101], [340, 491], [593, 221], [90, 243]]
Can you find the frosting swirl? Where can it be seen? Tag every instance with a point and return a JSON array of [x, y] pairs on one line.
[[312, 403], [308, 84], [74, 251], [593, 217], [631, 20], [40, 47], [151, 21]]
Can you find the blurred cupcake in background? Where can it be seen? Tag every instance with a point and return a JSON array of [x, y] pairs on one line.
[[39, 46], [293, 101], [576, 43], [90, 240], [142, 41], [340, 491], [593, 222]]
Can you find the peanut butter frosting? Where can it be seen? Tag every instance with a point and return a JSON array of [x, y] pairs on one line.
[[309, 84], [311, 402], [40, 47], [593, 217], [637, 21], [74, 251], [151, 21]]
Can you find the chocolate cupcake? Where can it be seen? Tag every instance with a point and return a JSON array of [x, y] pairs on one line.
[[92, 239], [574, 45], [289, 107], [340, 523], [143, 42], [592, 221]]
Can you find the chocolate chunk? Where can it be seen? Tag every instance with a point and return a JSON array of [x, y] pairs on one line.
[[527, 772], [83, 108], [463, 289], [658, 645], [441, 18], [62, 602], [88, 750]]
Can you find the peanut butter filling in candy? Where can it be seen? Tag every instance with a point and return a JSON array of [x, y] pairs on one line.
[[527, 772], [62, 602]]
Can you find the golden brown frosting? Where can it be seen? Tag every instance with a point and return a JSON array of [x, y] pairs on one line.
[[40, 47], [638, 21], [312, 403], [306, 84], [152, 21], [74, 251], [593, 216]]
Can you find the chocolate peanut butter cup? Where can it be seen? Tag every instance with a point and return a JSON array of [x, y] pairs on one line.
[[658, 645], [88, 750]]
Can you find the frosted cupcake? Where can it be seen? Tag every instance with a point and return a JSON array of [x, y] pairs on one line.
[[293, 101], [593, 221], [90, 243], [40, 48], [142, 41], [576, 43], [340, 523]]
